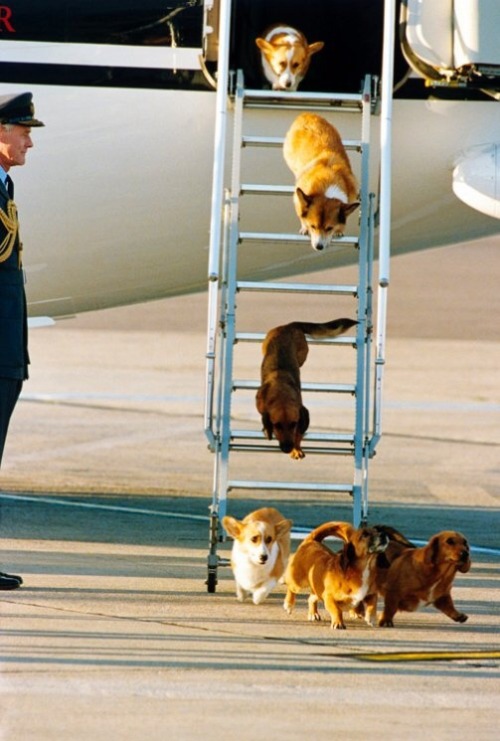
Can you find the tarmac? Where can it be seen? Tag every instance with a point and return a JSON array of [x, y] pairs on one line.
[[105, 493]]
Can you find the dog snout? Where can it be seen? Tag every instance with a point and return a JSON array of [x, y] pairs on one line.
[[378, 543], [286, 446], [383, 539], [285, 82], [263, 557], [319, 242]]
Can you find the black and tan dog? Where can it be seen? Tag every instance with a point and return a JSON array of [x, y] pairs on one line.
[[397, 543], [279, 398]]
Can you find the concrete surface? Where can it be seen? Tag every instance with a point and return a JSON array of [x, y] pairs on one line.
[[104, 511]]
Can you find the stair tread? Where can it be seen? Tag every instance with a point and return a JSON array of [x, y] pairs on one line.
[[342, 388], [309, 437], [250, 140], [259, 336], [250, 285], [293, 485]]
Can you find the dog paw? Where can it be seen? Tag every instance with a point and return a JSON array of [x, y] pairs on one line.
[[461, 617], [337, 234], [338, 626], [314, 617], [287, 608], [297, 455], [259, 596], [358, 611], [385, 623]]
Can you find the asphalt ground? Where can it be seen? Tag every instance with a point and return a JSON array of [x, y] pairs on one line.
[[104, 503]]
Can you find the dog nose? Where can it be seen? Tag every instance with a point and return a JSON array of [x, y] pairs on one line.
[[286, 447], [464, 555], [319, 247], [263, 558]]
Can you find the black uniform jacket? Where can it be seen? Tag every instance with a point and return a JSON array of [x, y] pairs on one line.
[[14, 358]]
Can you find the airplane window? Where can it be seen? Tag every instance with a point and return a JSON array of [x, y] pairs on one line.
[[132, 22]]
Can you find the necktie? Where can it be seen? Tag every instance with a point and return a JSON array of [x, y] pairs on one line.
[[10, 186]]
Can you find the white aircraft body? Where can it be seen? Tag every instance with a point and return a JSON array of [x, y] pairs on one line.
[[115, 197]]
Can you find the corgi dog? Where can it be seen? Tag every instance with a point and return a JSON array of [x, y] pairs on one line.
[[260, 551], [343, 580], [285, 56], [326, 191]]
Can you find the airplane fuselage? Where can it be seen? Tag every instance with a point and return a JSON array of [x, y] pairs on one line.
[[114, 200]]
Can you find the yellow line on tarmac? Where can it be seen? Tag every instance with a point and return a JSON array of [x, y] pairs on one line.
[[426, 656]]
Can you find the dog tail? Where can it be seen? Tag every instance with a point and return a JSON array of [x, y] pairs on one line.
[[325, 329], [340, 530]]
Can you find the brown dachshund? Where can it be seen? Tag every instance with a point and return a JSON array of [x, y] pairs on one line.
[[424, 576], [279, 398]]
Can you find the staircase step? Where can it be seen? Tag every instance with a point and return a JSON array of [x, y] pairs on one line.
[[270, 99], [259, 337], [308, 449], [352, 145], [337, 290], [291, 486], [278, 237], [255, 189], [314, 437], [336, 388]]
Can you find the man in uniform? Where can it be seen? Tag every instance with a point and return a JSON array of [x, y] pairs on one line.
[[17, 117]]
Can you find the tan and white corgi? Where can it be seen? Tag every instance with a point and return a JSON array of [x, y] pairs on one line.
[[260, 551], [285, 56], [326, 190]]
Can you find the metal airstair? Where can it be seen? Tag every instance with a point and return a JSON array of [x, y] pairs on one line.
[[235, 434]]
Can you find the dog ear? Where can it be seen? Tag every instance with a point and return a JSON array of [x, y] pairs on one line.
[[260, 399], [394, 535], [303, 420], [267, 425], [347, 556], [304, 201], [432, 550], [261, 408], [348, 208], [232, 526], [316, 46], [264, 46], [283, 527]]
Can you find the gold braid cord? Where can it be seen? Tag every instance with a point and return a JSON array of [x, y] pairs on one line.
[[8, 220]]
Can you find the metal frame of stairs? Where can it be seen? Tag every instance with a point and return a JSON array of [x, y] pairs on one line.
[[225, 285], [225, 241]]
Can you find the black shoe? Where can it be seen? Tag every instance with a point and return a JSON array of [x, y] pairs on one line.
[[10, 581], [12, 576]]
